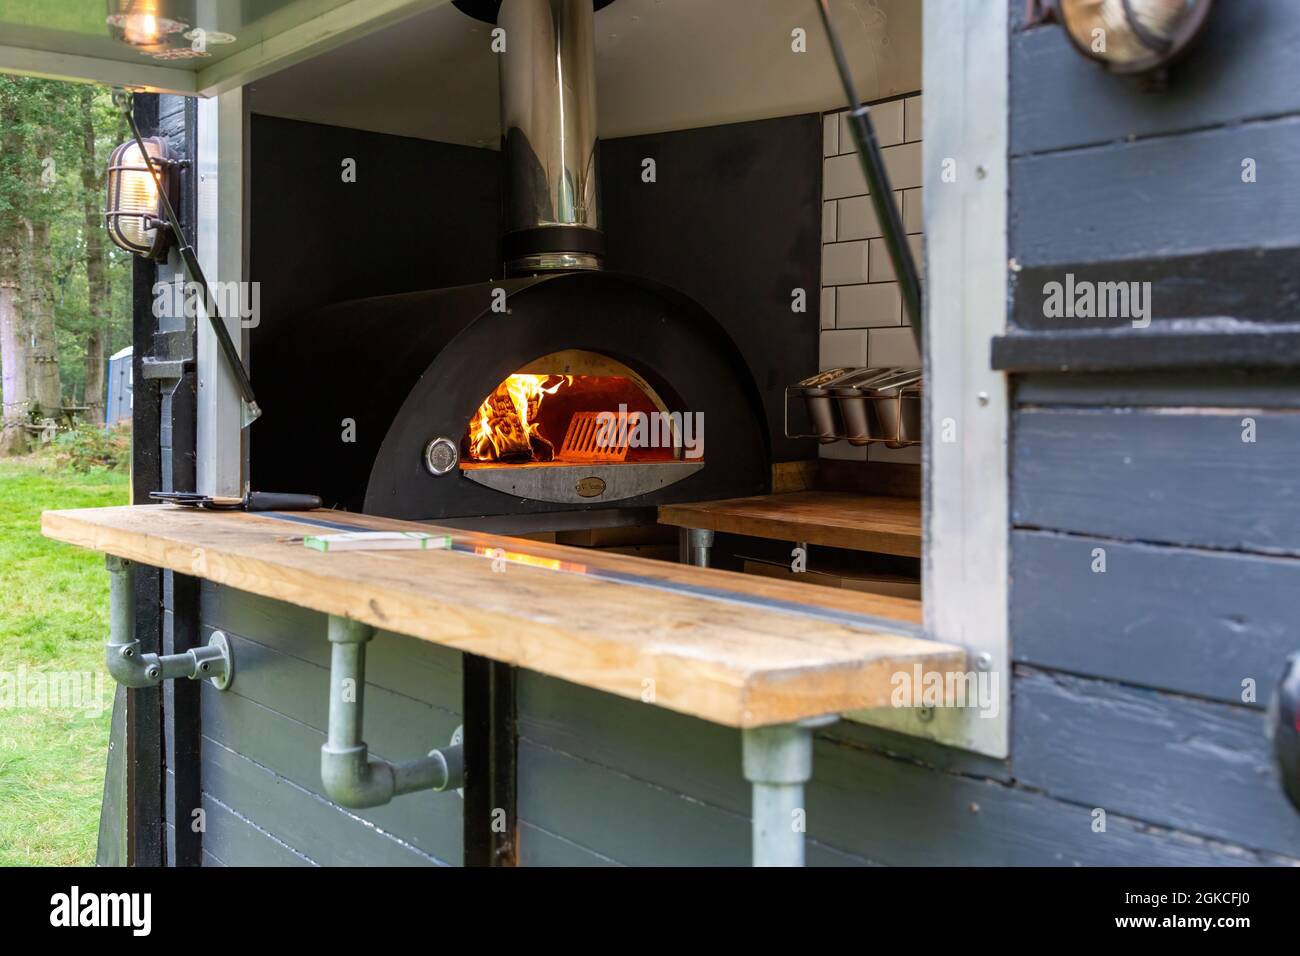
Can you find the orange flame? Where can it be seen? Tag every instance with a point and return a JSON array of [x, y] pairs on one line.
[[506, 426]]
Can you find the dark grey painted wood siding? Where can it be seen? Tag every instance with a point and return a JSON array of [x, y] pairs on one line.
[[261, 743], [1114, 183], [605, 781], [1140, 689]]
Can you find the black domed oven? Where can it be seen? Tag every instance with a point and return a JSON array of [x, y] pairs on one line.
[[562, 387]]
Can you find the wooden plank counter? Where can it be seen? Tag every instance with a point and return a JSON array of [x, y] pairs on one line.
[[732, 649], [835, 519]]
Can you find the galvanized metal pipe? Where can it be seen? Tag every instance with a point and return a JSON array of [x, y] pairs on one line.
[[778, 762], [548, 120], [130, 666], [699, 543], [350, 776]]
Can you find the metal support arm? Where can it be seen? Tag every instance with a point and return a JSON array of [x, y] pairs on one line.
[[778, 762], [351, 777], [131, 668]]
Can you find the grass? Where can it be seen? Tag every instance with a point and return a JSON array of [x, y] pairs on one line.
[[53, 619]]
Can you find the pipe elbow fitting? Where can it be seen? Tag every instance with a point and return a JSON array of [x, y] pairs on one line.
[[352, 779], [129, 667]]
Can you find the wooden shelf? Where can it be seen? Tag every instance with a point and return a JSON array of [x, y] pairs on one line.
[[724, 647], [833, 519]]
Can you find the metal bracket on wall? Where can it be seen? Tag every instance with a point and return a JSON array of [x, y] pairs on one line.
[[131, 668], [350, 775]]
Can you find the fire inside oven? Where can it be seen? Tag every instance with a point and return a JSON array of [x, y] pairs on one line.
[[573, 423], [603, 413]]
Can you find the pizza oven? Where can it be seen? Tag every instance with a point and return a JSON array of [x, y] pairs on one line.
[[561, 387]]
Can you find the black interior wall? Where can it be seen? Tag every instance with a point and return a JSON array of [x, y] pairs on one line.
[[732, 220], [420, 215]]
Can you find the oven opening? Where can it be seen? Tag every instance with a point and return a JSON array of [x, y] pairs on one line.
[[575, 408], [576, 425]]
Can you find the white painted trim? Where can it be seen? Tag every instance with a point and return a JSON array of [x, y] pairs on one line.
[[310, 38], [220, 167], [966, 495], [89, 69]]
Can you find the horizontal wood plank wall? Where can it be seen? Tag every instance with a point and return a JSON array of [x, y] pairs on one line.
[[1234, 76], [1226, 248], [1199, 622], [262, 794], [608, 779], [1114, 183], [1167, 475], [1133, 690]]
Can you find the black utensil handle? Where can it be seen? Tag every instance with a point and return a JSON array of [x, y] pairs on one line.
[[276, 501]]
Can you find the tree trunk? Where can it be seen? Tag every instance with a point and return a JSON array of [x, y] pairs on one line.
[[13, 357], [43, 355], [13, 340], [97, 284]]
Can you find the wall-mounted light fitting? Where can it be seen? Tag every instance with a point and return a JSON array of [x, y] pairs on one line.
[[141, 218], [133, 212], [1127, 36]]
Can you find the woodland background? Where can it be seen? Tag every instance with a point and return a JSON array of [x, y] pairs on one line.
[[64, 287]]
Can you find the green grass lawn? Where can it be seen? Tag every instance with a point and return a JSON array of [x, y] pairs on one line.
[[53, 619]]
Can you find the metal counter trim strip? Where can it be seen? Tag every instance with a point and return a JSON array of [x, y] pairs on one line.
[[636, 580]]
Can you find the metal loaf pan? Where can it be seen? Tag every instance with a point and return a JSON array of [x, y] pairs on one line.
[[857, 410], [897, 402], [823, 414]]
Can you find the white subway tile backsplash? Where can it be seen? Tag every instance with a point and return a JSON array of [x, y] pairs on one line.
[[844, 263], [827, 316], [888, 120], [857, 219], [912, 118], [830, 134], [842, 176], [913, 221], [868, 306], [918, 253], [830, 217], [882, 269], [890, 347], [843, 347], [861, 319], [903, 164]]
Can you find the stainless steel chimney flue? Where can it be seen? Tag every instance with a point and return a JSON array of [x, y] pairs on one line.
[[549, 144]]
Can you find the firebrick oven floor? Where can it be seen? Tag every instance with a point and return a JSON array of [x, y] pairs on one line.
[[833, 519], [731, 649]]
